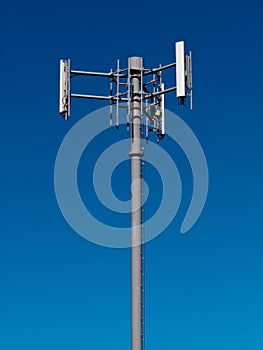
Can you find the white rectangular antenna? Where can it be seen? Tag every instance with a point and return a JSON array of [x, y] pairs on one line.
[[162, 110], [180, 69], [64, 88]]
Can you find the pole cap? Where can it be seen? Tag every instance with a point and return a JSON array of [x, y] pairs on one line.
[[136, 63]]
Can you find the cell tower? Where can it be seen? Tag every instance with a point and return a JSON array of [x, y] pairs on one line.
[[142, 91]]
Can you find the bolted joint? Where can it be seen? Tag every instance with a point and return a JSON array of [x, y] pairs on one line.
[[136, 154]]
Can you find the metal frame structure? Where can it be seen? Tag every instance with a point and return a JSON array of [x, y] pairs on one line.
[[142, 92]]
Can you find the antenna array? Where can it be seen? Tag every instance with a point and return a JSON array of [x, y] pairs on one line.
[[152, 90]]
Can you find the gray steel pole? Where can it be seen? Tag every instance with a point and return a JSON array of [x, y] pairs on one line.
[[136, 154]]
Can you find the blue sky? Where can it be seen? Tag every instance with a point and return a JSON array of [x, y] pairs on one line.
[[204, 289]]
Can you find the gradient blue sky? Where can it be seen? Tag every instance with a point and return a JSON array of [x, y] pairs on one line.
[[204, 289]]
